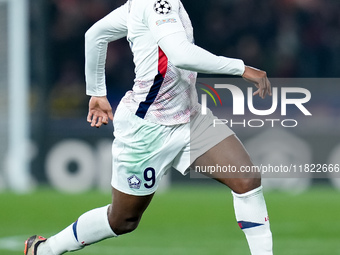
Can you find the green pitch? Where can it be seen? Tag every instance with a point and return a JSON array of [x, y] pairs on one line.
[[183, 220]]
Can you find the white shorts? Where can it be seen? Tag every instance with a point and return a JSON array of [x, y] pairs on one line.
[[143, 151]]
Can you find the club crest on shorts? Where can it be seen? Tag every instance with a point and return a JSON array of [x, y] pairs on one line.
[[162, 7], [134, 182]]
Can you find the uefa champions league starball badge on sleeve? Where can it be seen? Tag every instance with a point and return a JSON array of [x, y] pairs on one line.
[[162, 7]]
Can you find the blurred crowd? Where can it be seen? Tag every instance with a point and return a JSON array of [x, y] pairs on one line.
[[287, 38]]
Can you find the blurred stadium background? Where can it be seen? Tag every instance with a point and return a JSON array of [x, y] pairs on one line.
[[53, 159]]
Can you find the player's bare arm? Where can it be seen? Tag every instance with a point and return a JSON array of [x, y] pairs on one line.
[[260, 80], [100, 111]]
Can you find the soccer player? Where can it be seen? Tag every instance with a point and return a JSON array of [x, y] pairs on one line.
[[158, 125]]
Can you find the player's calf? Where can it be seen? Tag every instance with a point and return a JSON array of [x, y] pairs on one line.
[[252, 217], [126, 211]]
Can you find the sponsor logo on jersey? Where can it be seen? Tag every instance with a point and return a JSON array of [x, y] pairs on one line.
[[134, 182], [162, 7], [163, 21]]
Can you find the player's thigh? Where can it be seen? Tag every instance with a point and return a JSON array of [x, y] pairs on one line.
[[126, 211], [229, 159]]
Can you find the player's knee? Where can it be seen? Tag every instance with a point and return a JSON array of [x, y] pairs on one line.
[[123, 224], [246, 184], [124, 227]]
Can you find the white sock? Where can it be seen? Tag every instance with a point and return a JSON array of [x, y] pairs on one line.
[[252, 217], [91, 227]]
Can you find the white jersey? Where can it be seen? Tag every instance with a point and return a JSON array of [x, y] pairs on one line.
[[162, 93]]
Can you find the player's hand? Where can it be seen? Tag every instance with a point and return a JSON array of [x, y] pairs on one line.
[[100, 111], [260, 80]]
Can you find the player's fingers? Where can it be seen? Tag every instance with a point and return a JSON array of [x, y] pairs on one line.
[[105, 120], [259, 90], [256, 92], [89, 117], [264, 88], [110, 115], [99, 122], [269, 87], [262, 91], [94, 120]]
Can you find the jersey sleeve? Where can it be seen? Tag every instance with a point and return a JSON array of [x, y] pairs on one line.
[[110, 28], [162, 17], [188, 56]]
